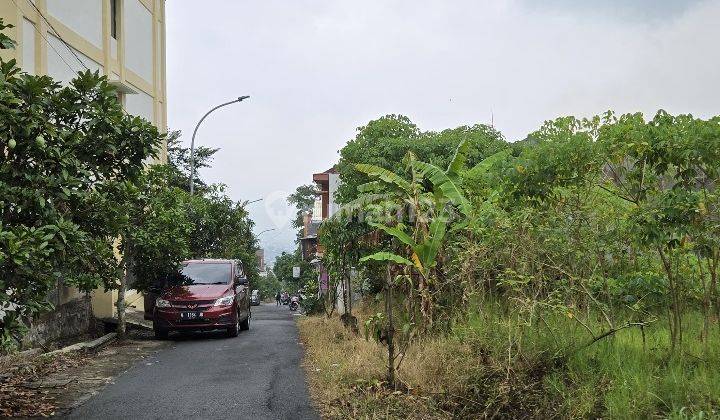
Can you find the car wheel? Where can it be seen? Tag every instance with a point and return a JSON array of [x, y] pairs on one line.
[[245, 325], [160, 333], [235, 329]]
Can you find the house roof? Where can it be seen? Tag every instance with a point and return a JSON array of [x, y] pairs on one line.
[[325, 176]]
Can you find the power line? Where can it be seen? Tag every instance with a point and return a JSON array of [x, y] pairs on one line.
[[67, 45], [47, 42], [69, 48]]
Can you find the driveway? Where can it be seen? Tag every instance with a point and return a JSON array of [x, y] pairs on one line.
[[205, 375]]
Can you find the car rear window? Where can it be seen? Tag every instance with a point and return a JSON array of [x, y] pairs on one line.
[[206, 273]]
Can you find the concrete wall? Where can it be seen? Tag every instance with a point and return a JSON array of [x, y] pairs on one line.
[[62, 64], [333, 184], [140, 104], [103, 303], [69, 319], [28, 54], [135, 59], [138, 39], [84, 17]]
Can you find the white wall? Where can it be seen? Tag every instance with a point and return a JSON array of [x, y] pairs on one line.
[[28, 46], [334, 183], [317, 210], [140, 104], [82, 16], [138, 39], [65, 69]]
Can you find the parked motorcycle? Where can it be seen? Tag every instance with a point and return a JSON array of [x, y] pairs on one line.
[[294, 303]]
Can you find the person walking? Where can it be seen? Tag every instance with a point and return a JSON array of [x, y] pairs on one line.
[[277, 299]]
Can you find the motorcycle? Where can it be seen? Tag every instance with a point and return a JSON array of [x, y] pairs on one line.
[[294, 303]]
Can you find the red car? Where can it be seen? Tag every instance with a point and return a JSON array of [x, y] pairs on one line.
[[207, 295]]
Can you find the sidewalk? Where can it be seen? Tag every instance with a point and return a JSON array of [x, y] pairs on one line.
[[44, 385], [134, 320]]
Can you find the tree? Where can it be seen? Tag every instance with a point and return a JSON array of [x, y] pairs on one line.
[[63, 147], [283, 269], [668, 169], [156, 237], [303, 199], [167, 225], [415, 213], [268, 285], [423, 227], [179, 163], [222, 228], [344, 242], [385, 141]]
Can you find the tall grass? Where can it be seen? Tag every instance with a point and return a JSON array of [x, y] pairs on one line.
[[621, 376], [496, 363]]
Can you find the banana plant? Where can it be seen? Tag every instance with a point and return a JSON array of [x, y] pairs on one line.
[[423, 254], [431, 194], [444, 193]]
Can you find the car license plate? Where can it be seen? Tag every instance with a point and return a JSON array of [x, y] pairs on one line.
[[187, 316]]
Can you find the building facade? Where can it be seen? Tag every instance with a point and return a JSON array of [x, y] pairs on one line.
[[123, 40], [262, 268], [325, 206]]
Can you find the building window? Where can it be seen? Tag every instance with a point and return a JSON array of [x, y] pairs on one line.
[[114, 18]]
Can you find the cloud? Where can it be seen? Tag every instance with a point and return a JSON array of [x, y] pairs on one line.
[[316, 70]]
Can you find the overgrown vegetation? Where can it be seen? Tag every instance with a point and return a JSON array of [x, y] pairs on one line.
[[573, 274]]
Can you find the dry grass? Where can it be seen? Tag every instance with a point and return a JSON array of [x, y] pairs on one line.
[[444, 377], [346, 374], [475, 371]]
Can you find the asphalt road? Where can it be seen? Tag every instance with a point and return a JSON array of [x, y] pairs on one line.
[[256, 375]]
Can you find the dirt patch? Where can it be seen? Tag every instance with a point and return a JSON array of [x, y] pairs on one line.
[[43, 386]]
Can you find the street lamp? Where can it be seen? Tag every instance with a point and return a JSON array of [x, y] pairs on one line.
[[245, 203], [266, 230], [192, 142]]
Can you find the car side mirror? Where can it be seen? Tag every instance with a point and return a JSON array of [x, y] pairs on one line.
[[241, 281]]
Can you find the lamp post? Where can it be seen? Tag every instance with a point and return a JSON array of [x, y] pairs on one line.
[[192, 142], [245, 203], [266, 230]]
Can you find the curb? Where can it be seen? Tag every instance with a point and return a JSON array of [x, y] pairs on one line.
[[85, 345], [130, 324], [31, 352]]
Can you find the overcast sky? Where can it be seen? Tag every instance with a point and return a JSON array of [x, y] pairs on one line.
[[316, 70]]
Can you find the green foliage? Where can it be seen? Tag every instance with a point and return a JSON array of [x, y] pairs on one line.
[[387, 256], [429, 208], [268, 285], [157, 236], [385, 141], [303, 199], [66, 150], [283, 269], [6, 42], [220, 227], [179, 163], [343, 241], [587, 232], [73, 181]]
